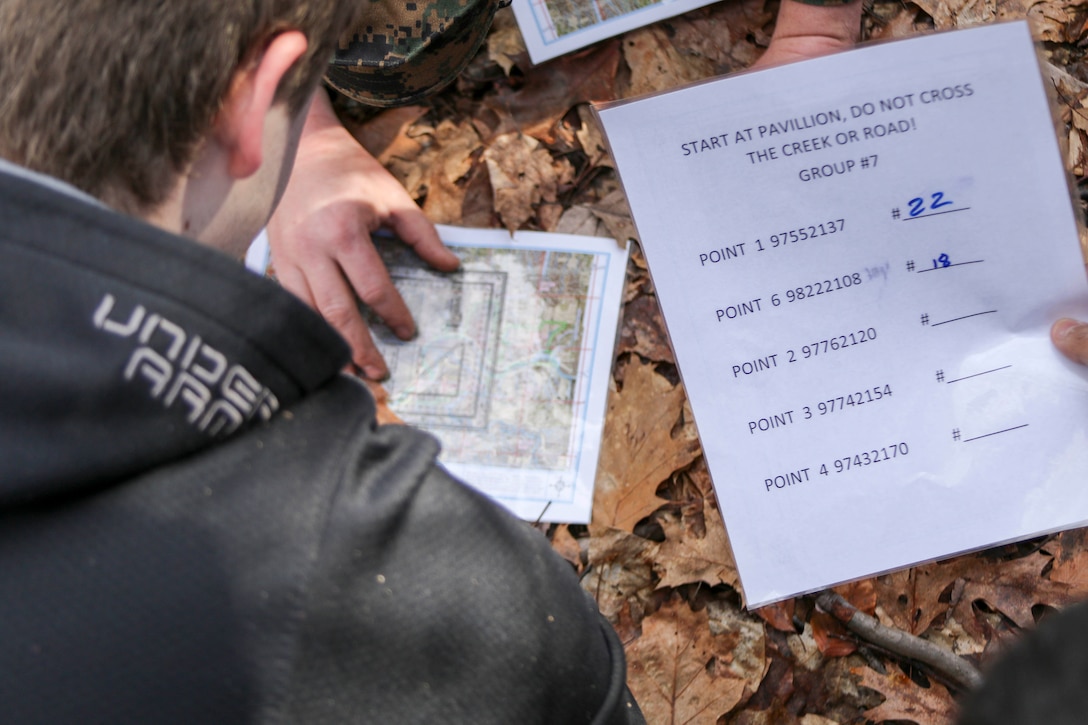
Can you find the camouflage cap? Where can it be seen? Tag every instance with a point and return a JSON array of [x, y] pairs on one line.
[[405, 49]]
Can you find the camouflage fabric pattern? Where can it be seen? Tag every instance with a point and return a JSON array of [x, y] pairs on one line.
[[404, 50]]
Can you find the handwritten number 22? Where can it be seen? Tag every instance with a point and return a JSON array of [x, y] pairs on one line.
[[937, 200]]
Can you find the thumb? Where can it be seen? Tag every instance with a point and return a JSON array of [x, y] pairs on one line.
[[1071, 338]]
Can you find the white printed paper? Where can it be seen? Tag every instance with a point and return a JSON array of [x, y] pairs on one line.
[[554, 27], [858, 258]]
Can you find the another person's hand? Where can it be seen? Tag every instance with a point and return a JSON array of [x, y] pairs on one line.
[[320, 235], [804, 31], [1071, 338]]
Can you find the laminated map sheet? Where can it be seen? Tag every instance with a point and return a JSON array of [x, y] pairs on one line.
[[511, 366]]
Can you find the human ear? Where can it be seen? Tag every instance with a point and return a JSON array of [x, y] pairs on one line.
[[240, 124]]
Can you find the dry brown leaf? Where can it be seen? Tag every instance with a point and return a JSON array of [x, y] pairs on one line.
[[523, 174], [901, 24], [779, 615], [747, 659], [548, 215], [580, 220], [1012, 588], [811, 719], [671, 672], [616, 215], [656, 65], [896, 601], [646, 437], [958, 13], [448, 160], [703, 35], [591, 138], [383, 413], [861, 593], [904, 700], [917, 598], [777, 715], [476, 208], [1070, 552], [831, 637], [505, 44], [621, 573], [1077, 155], [643, 330], [386, 135], [1079, 115], [553, 88], [1049, 18], [567, 546], [685, 558], [729, 35], [805, 652]]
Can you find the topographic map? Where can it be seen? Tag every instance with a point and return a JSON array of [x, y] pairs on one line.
[[510, 367], [554, 27]]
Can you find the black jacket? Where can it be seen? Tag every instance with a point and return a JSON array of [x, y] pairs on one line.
[[201, 523]]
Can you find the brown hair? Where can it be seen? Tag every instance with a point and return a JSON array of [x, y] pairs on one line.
[[113, 96]]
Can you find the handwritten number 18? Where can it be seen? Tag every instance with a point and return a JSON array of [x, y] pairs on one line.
[[937, 200]]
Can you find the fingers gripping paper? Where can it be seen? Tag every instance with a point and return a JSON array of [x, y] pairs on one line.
[[858, 258]]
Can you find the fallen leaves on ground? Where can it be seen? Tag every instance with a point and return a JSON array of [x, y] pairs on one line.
[[517, 146], [679, 671], [648, 435]]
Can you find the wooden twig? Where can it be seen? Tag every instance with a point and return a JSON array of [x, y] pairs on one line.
[[958, 670]]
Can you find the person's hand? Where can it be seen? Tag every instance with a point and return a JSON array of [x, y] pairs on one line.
[[337, 196], [805, 31], [1071, 339]]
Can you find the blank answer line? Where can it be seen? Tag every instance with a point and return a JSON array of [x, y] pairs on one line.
[[957, 319], [996, 432], [986, 372], [935, 213], [946, 266]]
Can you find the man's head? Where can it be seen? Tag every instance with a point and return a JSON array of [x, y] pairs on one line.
[[118, 96]]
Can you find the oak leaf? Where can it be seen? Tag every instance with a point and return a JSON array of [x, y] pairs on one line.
[[643, 330], [505, 44], [831, 636], [621, 573], [729, 35], [550, 90], [647, 436], [567, 546], [1049, 18], [591, 138], [580, 220], [386, 136], [656, 64], [905, 700], [616, 215], [811, 719], [747, 659], [779, 615], [448, 161], [685, 558], [948, 14], [917, 598], [523, 174], [672, 668], [1070, 559]]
